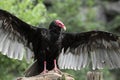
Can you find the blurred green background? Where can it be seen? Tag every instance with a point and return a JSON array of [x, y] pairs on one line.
[[77, 15]]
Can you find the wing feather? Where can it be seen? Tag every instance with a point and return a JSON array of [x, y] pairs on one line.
[[15, 35], [11, 50], [100, 49], [6, 46], [85, 57], [29, 54]]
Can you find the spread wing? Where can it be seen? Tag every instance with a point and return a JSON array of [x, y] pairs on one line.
[[98, 48], [15, 35]]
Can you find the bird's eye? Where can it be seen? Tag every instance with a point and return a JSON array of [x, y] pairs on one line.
[[59, 24]]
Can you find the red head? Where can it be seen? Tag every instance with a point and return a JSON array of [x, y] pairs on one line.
[[60, 24], [57, 24]]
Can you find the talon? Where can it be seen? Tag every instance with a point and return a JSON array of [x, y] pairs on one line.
[[56, 68], [45, 70], [57, 71]]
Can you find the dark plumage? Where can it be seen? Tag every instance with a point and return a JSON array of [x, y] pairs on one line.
[[72, 50]]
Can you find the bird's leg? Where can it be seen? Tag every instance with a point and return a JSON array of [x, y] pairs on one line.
[[56, 68], [55, 65], [45, 70]]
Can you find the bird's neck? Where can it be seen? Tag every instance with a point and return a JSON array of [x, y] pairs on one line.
[[55, 34], [55, 31]]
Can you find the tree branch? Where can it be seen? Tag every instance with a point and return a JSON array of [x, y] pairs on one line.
[[51, 75]]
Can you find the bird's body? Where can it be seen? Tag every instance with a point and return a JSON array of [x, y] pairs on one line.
[[72, 50], [47, 47]]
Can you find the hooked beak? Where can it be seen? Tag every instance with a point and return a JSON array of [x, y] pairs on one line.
[[64, 28]]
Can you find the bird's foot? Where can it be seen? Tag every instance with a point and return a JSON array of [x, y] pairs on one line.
[[44, 72], [57, 70]]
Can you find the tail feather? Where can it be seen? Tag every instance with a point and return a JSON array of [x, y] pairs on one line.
[[33, 70]]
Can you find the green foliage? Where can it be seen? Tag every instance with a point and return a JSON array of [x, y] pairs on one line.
[[26, 10], [9, 68], [114, 25], [76, 16]]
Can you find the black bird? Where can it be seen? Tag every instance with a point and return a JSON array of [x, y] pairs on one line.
[[71, 50]]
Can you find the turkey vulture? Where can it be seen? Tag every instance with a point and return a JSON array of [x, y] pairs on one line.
[[71, 50]]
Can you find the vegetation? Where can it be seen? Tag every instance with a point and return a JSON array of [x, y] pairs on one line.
[[77, 15]]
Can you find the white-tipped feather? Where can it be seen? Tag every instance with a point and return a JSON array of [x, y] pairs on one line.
[[73, 62], [16, 55], [2, 44], [60, 59], [70, 63], [117, 60], [118, 55], [113, 59], [16, 51], [85, 57], [85, 60], [70, 60], [20, 56], [99, 59], [29, 54], [63, 64], [78, 65], [80, 58], [76, 62], [103, 56], [67, 61], [107, 59], [11, 50], [6, 46], [93, 58]]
